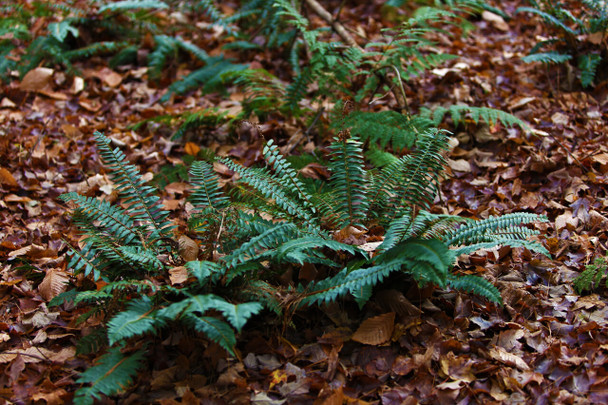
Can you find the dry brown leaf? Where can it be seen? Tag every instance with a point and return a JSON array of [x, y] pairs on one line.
[[178, 275], [395, 301], [188, 249], [109, 77], [377, 330], [29, 355], [459, 165], [510, 359], [496, 20], [36, 79], [191, 148], [54, 283], [7, 178]]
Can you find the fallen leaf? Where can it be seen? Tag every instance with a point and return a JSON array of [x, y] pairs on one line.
[[459, 165], [510, 359], [191, 148], [54, 283], [36, 79], [188, 249], [496, 20], [178, 275], [7, 179], [376, 331]]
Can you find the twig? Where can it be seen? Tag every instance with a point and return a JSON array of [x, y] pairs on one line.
[[338, 28]]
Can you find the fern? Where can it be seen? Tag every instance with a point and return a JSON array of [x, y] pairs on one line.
[[547, 58], [112, 374], [476, 285], [206, 193], [144, 206], [592, 275], [348, 180], [490, 116], [133, 4], [421, 174], [208, 78], [136, 320], [588, 65]]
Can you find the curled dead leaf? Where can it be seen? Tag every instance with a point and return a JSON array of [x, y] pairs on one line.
[[377, 330], [188, 249], [510, 359]]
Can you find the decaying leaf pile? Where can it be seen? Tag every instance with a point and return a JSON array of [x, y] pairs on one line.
[[546, 344]]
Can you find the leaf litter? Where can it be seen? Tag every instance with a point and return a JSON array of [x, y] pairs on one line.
[[546, 344]]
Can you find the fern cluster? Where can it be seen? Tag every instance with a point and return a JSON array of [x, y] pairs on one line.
[[573, 30], [591, 277], [131, 246]]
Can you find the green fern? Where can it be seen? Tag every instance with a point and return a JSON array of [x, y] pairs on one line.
[[588, 65], [459, 113], [133, 4], [547, 58], [591, 277], [113, 372], [348, 180], [144, 205], [209, 78]]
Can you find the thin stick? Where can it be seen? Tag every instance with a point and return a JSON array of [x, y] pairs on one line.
[[338, 28]]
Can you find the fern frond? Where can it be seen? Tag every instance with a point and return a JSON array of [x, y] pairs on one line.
[[422, 173], [113, 219], [548, 18], [141, 257], [106, 47], [348, 180], [133, 4], [205, 118], [591, 276], [191, 310], [264, 182], [112, 373], [215, 329], [136, 320], [299, 250], [345, 282], [382, 127], [588, 64], [547, 57], [428, 260], [486, 230], [476, 285], [206, 193], [286, 174], [269, 239], [166, 49], [208, 78], [143, 204], [491, 116]]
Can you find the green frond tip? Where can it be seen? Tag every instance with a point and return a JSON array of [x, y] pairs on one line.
[[136, 320], [547, 58], [133, 5], [591, 276], [490, 116], [112, 374], [428, 260], [476, 285]]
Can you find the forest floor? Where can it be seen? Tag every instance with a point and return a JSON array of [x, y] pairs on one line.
[[546, 344]]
